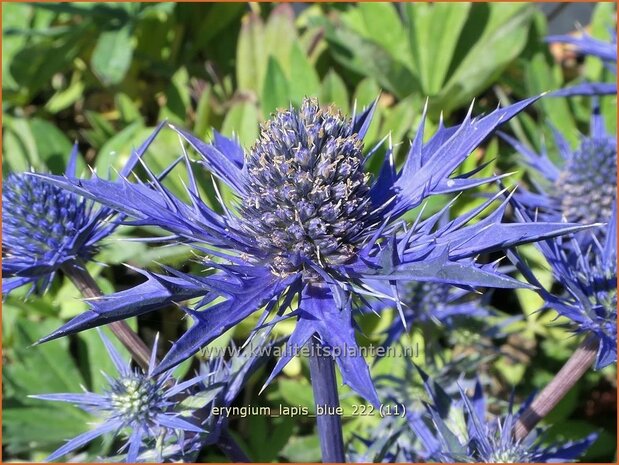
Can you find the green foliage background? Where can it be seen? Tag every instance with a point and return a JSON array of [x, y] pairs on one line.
[[105, 74]]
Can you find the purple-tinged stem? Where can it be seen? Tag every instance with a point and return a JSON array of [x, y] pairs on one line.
[[564, 380], [324, 385], [85, 283]]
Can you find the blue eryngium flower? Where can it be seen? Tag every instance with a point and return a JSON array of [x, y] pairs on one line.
[[583, 188], [460, 431], [589, 280], [587, 45], [136, 403], [44, 227], [312, 227]]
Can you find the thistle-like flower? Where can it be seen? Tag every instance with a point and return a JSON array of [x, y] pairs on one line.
[[140, 405], [583, 189], [311, 229], [45, 227], [460, 431], [587, 45], [588, 277]]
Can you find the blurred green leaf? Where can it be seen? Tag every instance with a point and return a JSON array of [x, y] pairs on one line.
[[433, 32], [334, 91], [302, 449], [242, 120], [493, 36], [112, 55], [303, 78], [276, 92], [251, 57], [279, 35]]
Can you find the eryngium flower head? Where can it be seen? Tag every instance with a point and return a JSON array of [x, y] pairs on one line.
[[44, 227], [583, 188], [588, 277], [461, 431], [314, 233], [137, 404], [307, 192], [587, 45]]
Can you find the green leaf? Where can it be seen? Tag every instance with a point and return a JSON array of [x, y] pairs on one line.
[[117, 150], [370, 59], [203, 112], [41, 369], [302, 449], [129, 110], [303, 78], [112, 55], [275, 94], [296, 392], [383, 25], [433, 33], [220, 16], [493, 36], [250, 54], [53, 146], [14, 16], [242, 120], [539, 77], [366, 92], [67, 97], [334, 91], [177, 98], [279, 35]]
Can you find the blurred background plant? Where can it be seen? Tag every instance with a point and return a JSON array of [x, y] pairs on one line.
[[105, 74]]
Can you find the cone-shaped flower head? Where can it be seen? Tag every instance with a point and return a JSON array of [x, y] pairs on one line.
[[588, 276], [313, 233], [307, 195], [462, 431], [583, 188], [44, 227], [587, 184], [136, 404]]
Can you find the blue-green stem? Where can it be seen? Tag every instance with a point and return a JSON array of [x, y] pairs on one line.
[[324, 385]]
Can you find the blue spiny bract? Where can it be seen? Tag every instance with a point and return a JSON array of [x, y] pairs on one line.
[[140, 406], [314, 233]]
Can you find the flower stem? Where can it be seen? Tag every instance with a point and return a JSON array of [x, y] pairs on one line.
[[85, 283], [324, 385], [570, 373]]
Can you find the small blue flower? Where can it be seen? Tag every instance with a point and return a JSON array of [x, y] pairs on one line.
[[583, 188], [313, 233], [587, 45], [44, 227], [462, 431], [136, 403], [588, 277]]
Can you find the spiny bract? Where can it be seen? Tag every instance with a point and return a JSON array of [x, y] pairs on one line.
[[315, 235]]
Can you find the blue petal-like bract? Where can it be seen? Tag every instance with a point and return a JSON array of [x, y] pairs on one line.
[[134, 401], [483, 440], [312, 233]]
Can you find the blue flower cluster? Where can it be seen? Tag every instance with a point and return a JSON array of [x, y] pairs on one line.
[[315, 237]]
